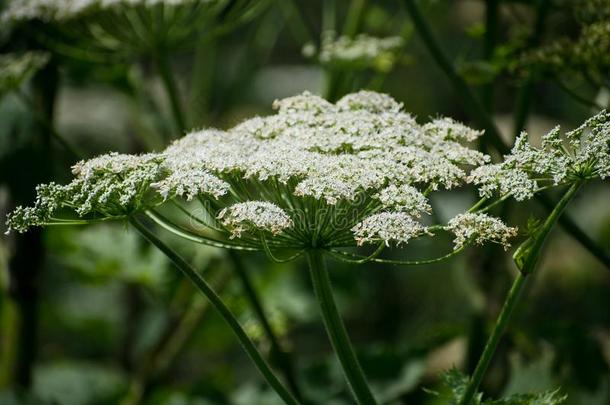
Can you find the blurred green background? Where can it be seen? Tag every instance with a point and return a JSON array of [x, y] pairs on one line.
[[93, 315]]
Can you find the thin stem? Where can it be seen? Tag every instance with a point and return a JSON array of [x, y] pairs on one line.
[[353, 18], [336, 329], [187, 270], [274, 258], [178, 331], [281, 357], [169, 83], [357, 259], [573, 229], [577, 97], [48, 126], [183, 233], [526, 258], [494, 339], [492, 134], [489, 45], [525, 92], [479, 113]]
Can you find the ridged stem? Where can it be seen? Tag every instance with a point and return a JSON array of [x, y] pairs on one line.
[[526, 257]]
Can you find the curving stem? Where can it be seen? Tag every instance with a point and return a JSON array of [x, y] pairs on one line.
[[223, 310], [336, 330], [526, 257]]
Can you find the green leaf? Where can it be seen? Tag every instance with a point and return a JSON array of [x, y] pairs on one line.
[[455, 383]]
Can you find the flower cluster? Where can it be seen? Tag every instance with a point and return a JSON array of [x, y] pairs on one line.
[[103, 30], [584, 153], [384, 227], [359, 170], [480, 228], [60, 10], [256, 216], [588, 52], [361, 52], [112, 185]]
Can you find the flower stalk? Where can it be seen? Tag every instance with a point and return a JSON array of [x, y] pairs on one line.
[[526, 258], [336, 329], [187, 270], [480, 114], [278, 354], [171, 88]]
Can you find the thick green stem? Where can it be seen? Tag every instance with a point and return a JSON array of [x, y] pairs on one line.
[[336, 330], [278, 355], [526, 258], [222, 309], [169, 83]]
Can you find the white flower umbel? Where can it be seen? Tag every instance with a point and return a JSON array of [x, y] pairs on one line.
[[361, 52], [61, 10], [404, 198], [254, 215], [583, 154], [104, 31], [386, 227], [480, 228], [314, 174]]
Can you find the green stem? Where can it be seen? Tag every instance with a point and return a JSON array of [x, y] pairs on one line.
[[279, 355], [492, 343], [169, 83], [222, 309], [525, 92], [48, 126], [526, 258], [492, 134], [336, 330], [353, 18], [178, 331], [573, 229], [482, 116], [489, 45]]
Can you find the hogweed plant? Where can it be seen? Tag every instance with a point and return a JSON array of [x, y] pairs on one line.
[[320, 179], [125, 31]]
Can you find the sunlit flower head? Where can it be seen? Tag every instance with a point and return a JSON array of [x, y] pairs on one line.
[[583, 153], [313, 174]]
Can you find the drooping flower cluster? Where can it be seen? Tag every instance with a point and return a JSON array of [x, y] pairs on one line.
[[583, 154], [361, 52], [480, 228], [316, 173], [111, 185]]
